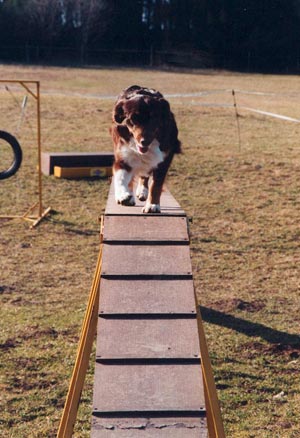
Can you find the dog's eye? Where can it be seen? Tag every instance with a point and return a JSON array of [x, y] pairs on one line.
[[135, 118], [140, 118]]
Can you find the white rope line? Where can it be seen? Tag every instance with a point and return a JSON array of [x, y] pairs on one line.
[[225, 105], [168, 95], [256, 93], [198, 94], [187, 95], [264, 93], [266, 113]]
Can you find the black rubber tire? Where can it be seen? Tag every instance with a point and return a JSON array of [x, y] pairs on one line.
[[13, 142]]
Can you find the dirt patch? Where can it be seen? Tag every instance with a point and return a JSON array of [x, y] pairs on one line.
[[291, 351], [6, 290], [8, 344], [31, 383], [35, 332], [233, 304], [251, 350]]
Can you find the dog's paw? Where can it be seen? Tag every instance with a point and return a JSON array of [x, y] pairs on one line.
[[142, 193], [151, 208], [126, 199]]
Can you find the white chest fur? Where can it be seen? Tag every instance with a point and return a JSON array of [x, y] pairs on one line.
[[142, 164]]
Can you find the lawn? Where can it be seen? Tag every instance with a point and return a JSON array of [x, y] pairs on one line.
[[243, 197]]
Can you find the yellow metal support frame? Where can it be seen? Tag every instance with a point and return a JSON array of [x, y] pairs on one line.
[[213, 412], [89, 326], [87, 336], [29, 215]]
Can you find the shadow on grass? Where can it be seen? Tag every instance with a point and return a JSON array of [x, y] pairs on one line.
[[71, 227], [249, 328]]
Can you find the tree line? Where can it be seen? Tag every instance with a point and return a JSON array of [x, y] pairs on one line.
[[239, 34]]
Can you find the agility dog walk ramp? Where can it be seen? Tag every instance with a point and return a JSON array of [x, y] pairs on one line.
[[148, 374]]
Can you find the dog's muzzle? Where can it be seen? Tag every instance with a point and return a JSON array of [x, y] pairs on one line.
[[143, 146], [141, 149]]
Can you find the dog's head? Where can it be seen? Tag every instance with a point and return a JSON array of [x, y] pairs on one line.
[[143, 115]]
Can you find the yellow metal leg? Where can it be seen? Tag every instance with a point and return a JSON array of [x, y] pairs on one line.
[[214, 418], [83, 355]]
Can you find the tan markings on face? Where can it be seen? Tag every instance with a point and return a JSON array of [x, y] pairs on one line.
[[143, 133], [138, 133]]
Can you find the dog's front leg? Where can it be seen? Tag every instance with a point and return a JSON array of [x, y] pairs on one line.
[[123, 188], [142, 188], [153, 202], [159, 174]]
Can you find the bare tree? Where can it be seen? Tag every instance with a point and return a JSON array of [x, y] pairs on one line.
[[43, 19], [87, 18]]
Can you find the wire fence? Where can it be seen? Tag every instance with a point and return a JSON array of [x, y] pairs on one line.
[[58, 55], [68, 55]]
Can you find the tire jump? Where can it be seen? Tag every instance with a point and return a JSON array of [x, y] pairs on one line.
[[8, 170]]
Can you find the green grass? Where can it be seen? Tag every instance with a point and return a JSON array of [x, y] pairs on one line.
[[245, 243]]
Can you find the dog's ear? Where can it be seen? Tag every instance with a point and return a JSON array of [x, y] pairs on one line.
[[164, 110], [164, 107], [118, 114]]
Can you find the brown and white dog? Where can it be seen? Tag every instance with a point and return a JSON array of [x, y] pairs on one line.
[[144, 134]]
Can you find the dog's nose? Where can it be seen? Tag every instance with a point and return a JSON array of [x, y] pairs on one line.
[[144, 142]]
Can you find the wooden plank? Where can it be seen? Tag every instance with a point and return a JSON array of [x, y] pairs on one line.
[[148, 376], [140, 260], [150, 388], [169, 427], [146, 228], [74, 159], [147, 338], [147, 297], [169, 206], [82, 172]]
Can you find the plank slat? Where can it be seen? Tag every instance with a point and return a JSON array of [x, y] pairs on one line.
[[143, 260], [145, 228], [149, 427], [150, 388], [147, 338], [126, 296]]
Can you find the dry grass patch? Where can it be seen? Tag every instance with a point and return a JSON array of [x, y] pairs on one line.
[[245, 239]]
